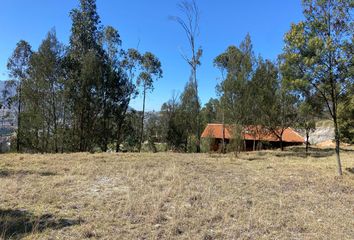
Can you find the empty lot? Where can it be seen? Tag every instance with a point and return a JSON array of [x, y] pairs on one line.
[[260, 195]]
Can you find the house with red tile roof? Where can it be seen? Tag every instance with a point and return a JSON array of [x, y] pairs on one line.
[[254, 137]]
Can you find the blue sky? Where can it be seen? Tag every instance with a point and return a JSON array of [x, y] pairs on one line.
[[223, 23]]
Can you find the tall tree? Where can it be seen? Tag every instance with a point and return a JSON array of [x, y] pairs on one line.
[[18, 66], [151, 70], [130, 64], [115, 89], [76, 99], [189, 21], [283, 112], [174, 124], [86, 73], [318, 52], [188, 105], [43, 94], [262, 94], [238, 63]]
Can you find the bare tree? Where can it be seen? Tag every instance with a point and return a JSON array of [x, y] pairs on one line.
[[189, 21]]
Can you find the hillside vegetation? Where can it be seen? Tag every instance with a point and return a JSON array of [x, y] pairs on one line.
[[261, 195]]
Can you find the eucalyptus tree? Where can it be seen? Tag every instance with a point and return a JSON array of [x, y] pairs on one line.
[[43, 95], [18, 66], [238, 63], [174, 123], [85, 73], [318, 53], [271, 103], [115, 89], [190, 121], [130, 64], [283, 112], [210, 113], [262, 95], [150, 71], [189, 22]]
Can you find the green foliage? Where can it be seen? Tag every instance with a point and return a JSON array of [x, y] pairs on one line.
[[18, 66], [238, 65], [237, 142], [150, 70], [205, 144], [189, 21], [77, 99], [346, 119], [174, 125], [253, 92], [263, 92], [131, 131], [211, 112], [318, 54]]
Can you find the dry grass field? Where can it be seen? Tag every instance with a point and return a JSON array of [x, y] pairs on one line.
[[262, 195]]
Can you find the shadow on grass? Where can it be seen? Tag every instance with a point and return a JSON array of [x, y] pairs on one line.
[[253, 159], [9, 172], [16, 224], [347, 150], [350, 170], [291, 152], [301, 152]]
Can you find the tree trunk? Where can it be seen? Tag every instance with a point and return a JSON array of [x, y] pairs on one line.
[[254, 145], [56, 136], [81, 145], [223, 134], [281, 144], [105, 139], [55, 122], [142, 120], [119, 135], [307, 142], [105, 133], [18, 142], [63, 132], [336, 134], [198, 107], [120, 125]]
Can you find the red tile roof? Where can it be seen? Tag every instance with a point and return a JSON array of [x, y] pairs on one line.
[[252, 133]]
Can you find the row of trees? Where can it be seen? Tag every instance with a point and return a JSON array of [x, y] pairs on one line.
[[312, 78], [76, 97]]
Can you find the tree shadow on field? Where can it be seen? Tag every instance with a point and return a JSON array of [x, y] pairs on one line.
[[350, 170], [347, 150], [252, 158], [301, 152], [10, 172], [17, 224]]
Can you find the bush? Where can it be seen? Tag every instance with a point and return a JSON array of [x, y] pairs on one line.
[[192, 144], [205, 145]]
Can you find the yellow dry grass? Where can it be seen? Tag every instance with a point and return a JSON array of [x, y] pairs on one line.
[[261, 195]]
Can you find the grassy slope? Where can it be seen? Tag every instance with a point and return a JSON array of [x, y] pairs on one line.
[[265, 195]]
